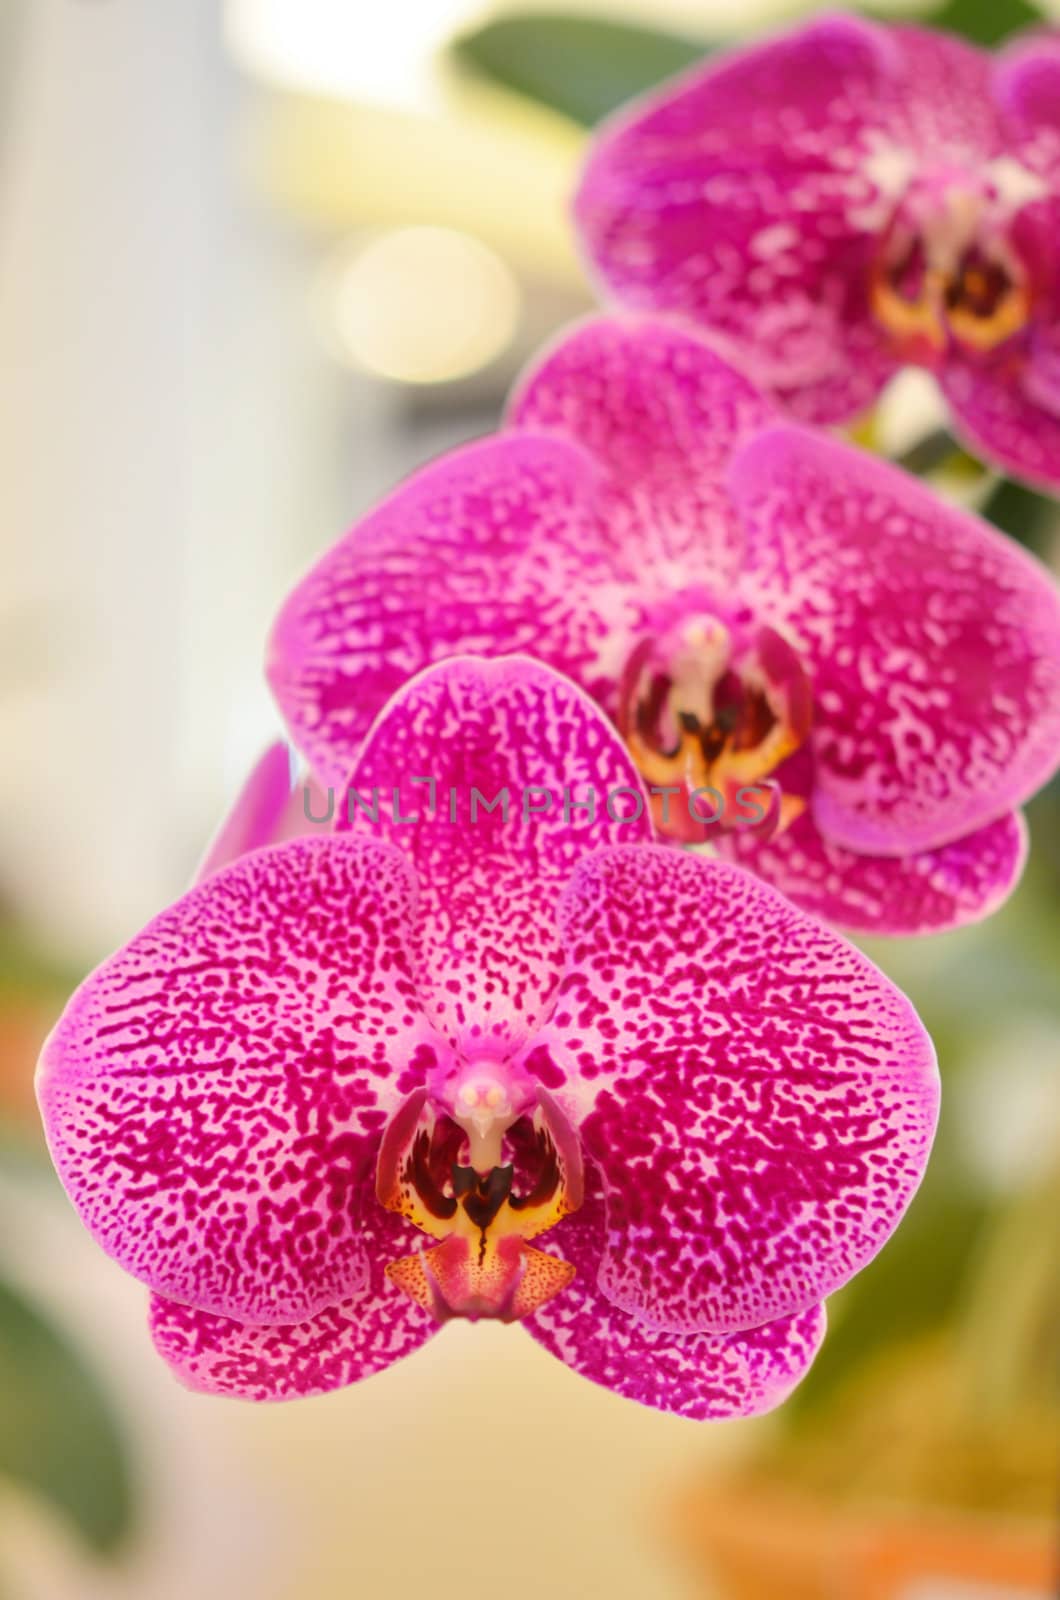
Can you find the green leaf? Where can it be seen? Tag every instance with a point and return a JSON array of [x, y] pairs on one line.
[[912, 1287], [58, 1434], [931, 452], [586, 67], [26, 971], [984, 22], [1022, 513], [580, 66]]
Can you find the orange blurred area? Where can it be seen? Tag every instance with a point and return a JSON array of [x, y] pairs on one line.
[[766, 1545]]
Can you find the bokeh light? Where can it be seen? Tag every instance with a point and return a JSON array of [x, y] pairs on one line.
[[418, 305]]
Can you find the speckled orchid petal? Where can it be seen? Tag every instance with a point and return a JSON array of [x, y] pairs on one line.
[[937, 97], [721, 198], [663, 413], [706, 1377], [340, 1345], [454, 742], [760, 1099], [497, 547], [213, 1093], [1011, 415], [748, 196], [1026, 89], [928, 891], [752, 196], [1041, 379], [934, 643], [1008, 407]]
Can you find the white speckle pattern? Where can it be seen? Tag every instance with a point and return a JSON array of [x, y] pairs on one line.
[[925, 892], [760, 1099], [213, 1094], [487, 950], [752, 197], [501, 539], [705, 1377], [669, 493], [933, 641], [340, 1345]]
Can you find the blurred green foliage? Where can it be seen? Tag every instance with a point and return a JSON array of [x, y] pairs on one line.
[[969, 986], [1022, 513], [27, 972], [586, 67], [985, 22], [577, 65], [58, 1433]]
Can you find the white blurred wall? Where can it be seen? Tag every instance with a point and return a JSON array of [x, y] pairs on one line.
[[167, 433]]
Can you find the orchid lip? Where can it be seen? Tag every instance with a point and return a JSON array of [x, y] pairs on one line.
[[945, 271], [715, 703], [482, 1176]]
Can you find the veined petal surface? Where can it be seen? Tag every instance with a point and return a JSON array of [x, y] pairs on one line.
[[1011, 413], [705, 1377], [1026, 89], [927, 891], [748, 196], [934, 643], [662, 412], [498, 761], [214, 1093], [496, 548], [342, 1344], [759, 1098]]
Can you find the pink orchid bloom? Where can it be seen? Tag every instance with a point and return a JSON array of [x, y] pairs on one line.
[[845, 199], [756, 607], [479, 1031]]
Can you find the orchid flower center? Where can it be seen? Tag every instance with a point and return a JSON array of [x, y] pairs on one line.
[[482, 1160], [483, 1109], [712, 707], [946, 271]]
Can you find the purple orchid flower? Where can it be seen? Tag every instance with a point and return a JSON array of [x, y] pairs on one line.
[[479, 1029], [845, 199], [819, 667]]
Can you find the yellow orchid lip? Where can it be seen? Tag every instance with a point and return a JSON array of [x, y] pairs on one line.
[[714, 707], [980, 306], [985, 305], [947, 273], [483, 1266]]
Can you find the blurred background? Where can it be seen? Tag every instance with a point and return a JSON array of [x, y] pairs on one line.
[[257, 261]]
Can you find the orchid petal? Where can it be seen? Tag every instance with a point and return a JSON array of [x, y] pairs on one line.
[[256, 815], [456, 740], [928, 891], [938, 99], [719, 198], [1026, 88], [933, 640], [1011, 413], [267, 810], [663, 413], [760, 1099], [702, 1376], [213, 1093], [495, 548], [340, 1345], [749, 195]]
